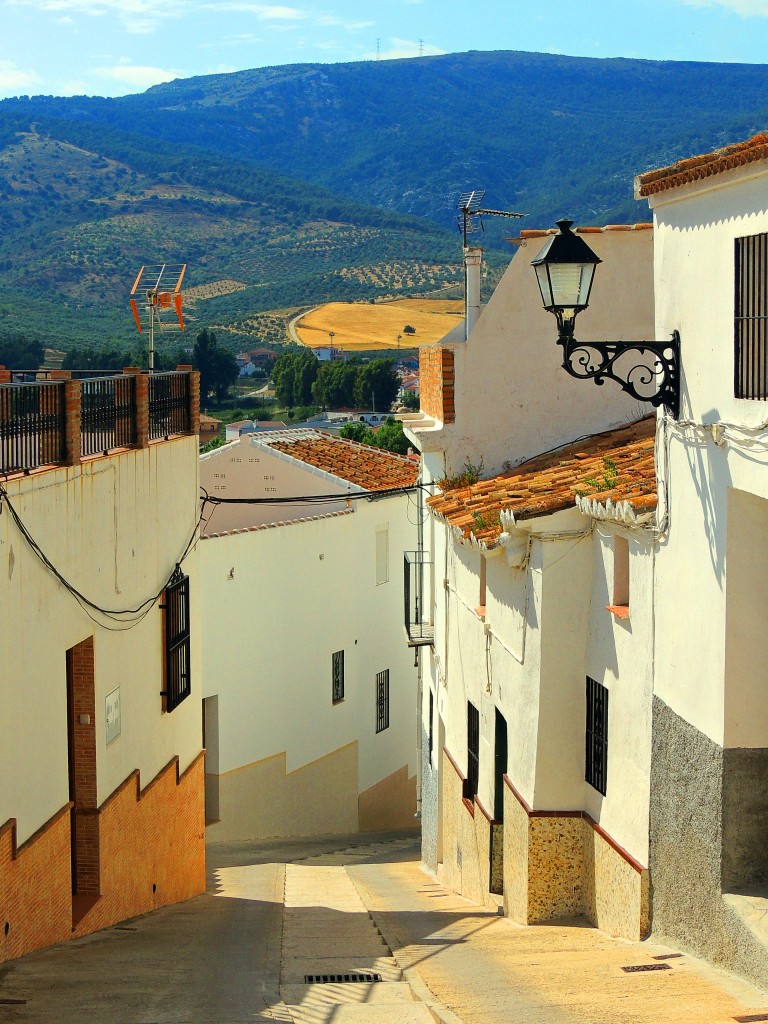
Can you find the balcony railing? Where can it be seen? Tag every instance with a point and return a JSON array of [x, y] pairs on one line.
[[417, 598], [169, 408], [47, 422], [31, 426], [107, 414]]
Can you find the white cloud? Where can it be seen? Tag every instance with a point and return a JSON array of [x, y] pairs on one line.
[[138, 76], [744, 8], [264, 12], [349, 26], [14, 80]]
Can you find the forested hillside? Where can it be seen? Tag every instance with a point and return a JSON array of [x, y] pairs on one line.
[[285, 187]]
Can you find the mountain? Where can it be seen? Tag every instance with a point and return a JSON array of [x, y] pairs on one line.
[[268, 177]]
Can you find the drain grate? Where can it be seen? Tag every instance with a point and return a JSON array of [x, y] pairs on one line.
[[13, 1002], [636, 968], [751, 1017], [339, 979], [668, 956]]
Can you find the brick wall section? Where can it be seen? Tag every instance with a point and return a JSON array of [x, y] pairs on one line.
[[436, 383], [72, 404], [35, 888], [152, 846], [150, 838], [141, 397], [83, 739], [194, 397]]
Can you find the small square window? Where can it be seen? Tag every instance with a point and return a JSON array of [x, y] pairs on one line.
[[337, 676]]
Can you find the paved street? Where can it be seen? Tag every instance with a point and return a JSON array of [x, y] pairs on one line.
[[296, 931]]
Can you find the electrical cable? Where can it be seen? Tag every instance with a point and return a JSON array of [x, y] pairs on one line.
[[138, 613]]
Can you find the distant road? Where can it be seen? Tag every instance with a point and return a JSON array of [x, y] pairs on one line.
[[292, 325]]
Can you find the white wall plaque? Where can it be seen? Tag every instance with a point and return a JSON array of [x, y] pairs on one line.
[[112, 714]]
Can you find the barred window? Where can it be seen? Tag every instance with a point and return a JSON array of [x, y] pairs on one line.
[[596, 772], [177, 654], [382, 700], [337, 676], [751, 317], [473, 751]]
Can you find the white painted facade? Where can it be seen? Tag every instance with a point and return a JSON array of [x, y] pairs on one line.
[[545, 626], [717, 459], [114, 527], [291, 587]]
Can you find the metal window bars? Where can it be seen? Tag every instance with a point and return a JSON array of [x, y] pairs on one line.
[[473, 751], [751, 317], [596, 768], [382, 700], [337, 676], [177, 641]]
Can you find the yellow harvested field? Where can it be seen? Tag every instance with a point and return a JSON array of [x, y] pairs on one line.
[[361, 325]]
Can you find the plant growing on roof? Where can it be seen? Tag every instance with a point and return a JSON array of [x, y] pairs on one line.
[[469, 475], [606, 482], [486, 520]]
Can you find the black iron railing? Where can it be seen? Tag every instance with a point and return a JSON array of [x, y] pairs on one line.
[[168, 404], [32, 426], [417, 598], [107, 414]]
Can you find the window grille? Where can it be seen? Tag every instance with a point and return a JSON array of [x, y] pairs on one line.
[[337, 676], [177, 659], [596, 772], [473, 751], [382, 700], [751, 317], [431, 726]]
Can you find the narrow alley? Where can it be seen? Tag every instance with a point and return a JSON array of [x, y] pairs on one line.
[[351, 930]]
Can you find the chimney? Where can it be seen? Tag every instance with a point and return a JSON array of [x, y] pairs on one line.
[[473, 258]]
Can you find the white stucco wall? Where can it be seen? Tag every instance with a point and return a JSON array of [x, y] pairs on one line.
[[512, 398], [287, 597], [114, 527], [246, 469], [696, 226]]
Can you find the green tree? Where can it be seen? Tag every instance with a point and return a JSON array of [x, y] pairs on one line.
[[294, 374], [18, 352], [335, 384], [376, 385], [357, 432], [218, 367], [411, 401], [391, 436]]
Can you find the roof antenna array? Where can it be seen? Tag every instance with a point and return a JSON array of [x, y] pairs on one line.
[[471, 212], [157, 291]]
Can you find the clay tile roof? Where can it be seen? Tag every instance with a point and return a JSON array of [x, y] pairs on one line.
[[698, 167], [544, 232], [361, 464], [617, 465]]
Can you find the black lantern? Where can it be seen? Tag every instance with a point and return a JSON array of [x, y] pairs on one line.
[[647, 370], [565, 268]]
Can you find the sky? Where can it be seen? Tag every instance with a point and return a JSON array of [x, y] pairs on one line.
[[115, 47]]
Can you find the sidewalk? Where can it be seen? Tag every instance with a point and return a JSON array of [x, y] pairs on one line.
[[292, 931]]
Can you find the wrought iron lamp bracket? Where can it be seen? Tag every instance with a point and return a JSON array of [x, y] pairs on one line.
[[655, 379]]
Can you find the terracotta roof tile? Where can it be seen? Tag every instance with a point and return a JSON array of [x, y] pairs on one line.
[[374, 469], [617, 465], [696, 168]]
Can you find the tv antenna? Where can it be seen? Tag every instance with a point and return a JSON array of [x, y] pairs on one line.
[[470, 205], [157, 293]]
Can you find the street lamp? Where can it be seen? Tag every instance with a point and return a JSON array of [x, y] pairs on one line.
[[565, 268]]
